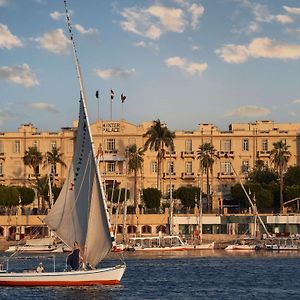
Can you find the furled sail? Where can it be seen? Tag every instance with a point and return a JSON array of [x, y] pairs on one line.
[[80, 214]]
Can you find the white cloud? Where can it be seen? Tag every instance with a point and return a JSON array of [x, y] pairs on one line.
[[49, 107], [82, 30], [258, 48], [111, 73], [54, 41], [6, 115], [7, 39], [190, 68], [156, 20], [249, 111], [56, 15], [284, 19], [297, 101], [3, 2], [196, 11], [150, 45], [22, 75], [292, 10]]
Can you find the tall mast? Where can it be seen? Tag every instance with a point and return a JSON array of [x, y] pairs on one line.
[[84, 101]]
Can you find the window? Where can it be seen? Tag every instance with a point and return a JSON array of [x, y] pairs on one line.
[[245, 145], [265, 145], [168, 189], [245, 166], [17, 146], [110, 167], [189, 167], [35, 144], [17, 168], [226, 167], [226, 145], [110, 144], [1, 168], [171, 167], [53, 145], [1, 147], [188, 146], [153, 167]]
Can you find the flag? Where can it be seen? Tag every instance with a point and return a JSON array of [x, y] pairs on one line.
[[112, 94], [100, 152], [97, 94], [123, 98]]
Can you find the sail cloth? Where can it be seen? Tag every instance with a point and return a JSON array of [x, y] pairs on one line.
[[79, 213]]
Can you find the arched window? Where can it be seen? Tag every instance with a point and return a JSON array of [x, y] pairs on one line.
[[161, 228], [131, 229], [146, 229]]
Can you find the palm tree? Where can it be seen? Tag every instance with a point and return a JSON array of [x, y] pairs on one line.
[[159, 137], [280, 156], [206, 155], [33, 158], [135, 163], [53, 158]]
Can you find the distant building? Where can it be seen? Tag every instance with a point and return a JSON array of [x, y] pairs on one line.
[[240, 146]]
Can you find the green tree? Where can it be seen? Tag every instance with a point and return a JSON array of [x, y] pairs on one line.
[[206, 155], [9, 196], [187, 196], [27, 195], [292, 176], [158, 137], [135, 163], [33, 158], [262, 174], [151, 197], [52, 158], [280, 156]]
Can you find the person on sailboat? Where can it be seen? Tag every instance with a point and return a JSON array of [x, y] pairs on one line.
[[40, 268], [73, 260]]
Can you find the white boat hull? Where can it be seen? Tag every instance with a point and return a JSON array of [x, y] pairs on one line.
[[30, 249], [173, 248], [206, 246], [242, 247], [106, 276]]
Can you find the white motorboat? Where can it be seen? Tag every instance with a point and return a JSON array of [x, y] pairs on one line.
[[79, 214], [157, 243]]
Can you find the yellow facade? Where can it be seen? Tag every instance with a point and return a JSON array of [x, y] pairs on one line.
[[237, 148]]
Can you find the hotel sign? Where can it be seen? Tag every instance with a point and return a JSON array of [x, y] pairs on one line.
[[111, 127]]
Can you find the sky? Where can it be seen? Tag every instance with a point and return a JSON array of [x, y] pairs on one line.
[[185, 62]]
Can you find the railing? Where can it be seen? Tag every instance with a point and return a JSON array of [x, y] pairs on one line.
[[264, 153], [167, 154], [188, 154], [166, 175], [186, 175], [229, 154], [226, 175]]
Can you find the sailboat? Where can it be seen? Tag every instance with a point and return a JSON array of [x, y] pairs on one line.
[[79, 214]]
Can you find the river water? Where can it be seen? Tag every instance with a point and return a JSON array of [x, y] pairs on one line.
[[179, 275]]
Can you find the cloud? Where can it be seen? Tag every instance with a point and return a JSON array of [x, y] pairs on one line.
[[297, 101], [56, 15], [190, 68], [19, 74], [84, 31], [6, 115], [258, 48], [292, 10], [249, 111], [156, 20], [284, 19], [196, 11], [54, 41], [3, 2], [111, 73], [49, 107], [7, 39], [150, 45]]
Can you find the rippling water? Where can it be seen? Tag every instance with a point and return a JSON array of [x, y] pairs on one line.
[[181, 275]]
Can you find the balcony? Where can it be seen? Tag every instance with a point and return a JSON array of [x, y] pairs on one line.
[[166, 175], [188, 154], [112, 151], [225, 154], [264, 153], [190, 176], [167, 154], [227, 175]]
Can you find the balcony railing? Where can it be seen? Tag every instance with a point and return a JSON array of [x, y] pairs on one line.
[[166, 175], [113, 151], [226, 175], [263, 153], [167, 154], [186, 175], [188, 154], [229, 154]]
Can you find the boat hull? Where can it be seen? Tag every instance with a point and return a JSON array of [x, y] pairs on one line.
[[242, 247], [107, 276], [207, 246]]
